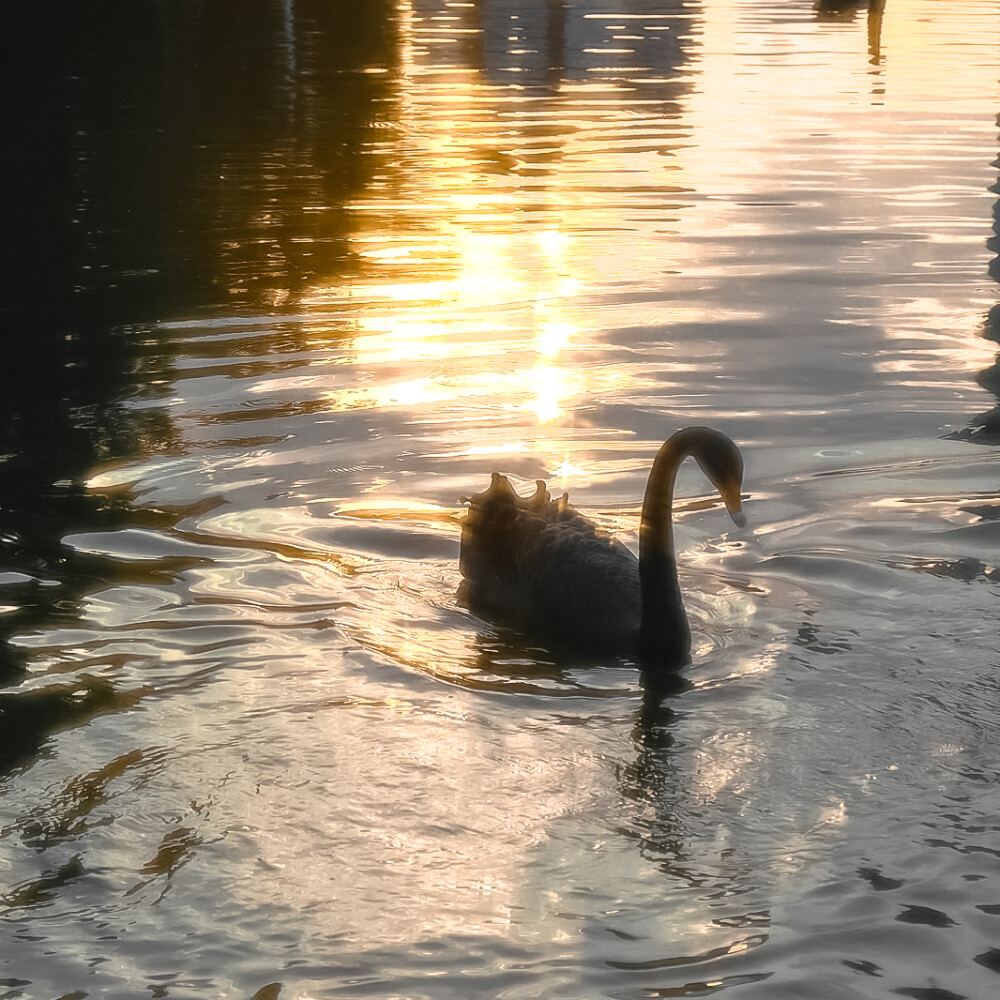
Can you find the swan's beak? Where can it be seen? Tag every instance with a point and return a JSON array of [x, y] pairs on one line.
[[734, 504]]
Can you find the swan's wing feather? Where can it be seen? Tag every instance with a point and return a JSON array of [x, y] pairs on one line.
[[542, 564], [581, 583]]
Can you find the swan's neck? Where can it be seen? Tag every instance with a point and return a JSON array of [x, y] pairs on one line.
[[666, 637]]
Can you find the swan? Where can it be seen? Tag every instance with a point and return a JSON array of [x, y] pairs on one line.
[[542, 565]]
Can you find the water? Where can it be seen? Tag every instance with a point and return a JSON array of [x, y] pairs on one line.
[[286, 287]]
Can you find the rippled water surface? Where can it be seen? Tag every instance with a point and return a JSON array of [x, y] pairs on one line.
[[285, 288]]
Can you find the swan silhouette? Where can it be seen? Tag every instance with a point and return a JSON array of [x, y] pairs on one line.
[[541, 565]]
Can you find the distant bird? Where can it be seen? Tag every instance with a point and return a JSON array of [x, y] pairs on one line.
[[541, 565]]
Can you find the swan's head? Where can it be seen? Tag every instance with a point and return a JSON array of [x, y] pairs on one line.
[[722, 462]]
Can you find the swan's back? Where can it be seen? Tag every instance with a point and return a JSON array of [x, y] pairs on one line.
[[540, 563]]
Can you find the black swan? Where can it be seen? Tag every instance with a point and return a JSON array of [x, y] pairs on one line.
[[540, 564]]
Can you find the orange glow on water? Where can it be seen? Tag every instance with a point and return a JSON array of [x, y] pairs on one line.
[[485, 247]]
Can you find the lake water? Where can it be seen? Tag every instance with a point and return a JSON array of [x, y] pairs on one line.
[[283, 287]]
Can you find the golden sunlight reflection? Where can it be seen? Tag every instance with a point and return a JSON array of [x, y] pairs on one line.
[[505, 231], [405, 341], [550, 387], [394, 510], [508, 209], [488, 323], [553, 338], [566, 471], [477, 247]]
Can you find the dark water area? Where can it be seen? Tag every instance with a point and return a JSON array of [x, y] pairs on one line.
[[145, 147], [281, 285]]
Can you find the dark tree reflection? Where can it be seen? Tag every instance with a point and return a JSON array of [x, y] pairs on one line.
[[160, 160]]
